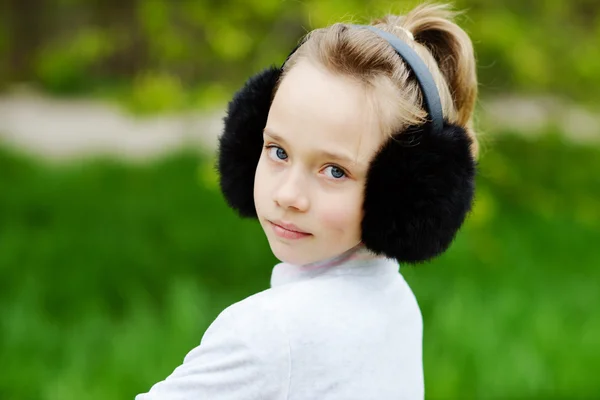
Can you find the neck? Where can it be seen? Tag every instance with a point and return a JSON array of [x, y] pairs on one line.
[[356, 252], [357, 261]]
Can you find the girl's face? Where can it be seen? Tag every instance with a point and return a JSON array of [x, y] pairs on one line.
[[319, 138]]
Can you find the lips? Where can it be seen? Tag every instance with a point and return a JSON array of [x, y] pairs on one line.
[[287, 230]]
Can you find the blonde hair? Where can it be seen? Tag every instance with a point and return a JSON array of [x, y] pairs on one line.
[[361, 55]]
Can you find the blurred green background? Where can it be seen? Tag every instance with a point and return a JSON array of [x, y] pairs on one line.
[[111, 271], [162, 54]]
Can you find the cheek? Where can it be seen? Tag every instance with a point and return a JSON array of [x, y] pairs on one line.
[[342, 212]]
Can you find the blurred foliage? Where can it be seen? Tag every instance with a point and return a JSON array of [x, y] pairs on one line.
[[198, 52], [110, 274]]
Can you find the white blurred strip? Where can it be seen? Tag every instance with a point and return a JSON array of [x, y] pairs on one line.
[[78, 129]]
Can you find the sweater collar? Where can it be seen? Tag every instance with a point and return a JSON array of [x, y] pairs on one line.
[[356, 261]]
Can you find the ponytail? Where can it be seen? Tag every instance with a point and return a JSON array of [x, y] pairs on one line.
[[431, 26]]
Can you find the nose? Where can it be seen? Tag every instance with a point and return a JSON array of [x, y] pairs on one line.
[[292, 192]]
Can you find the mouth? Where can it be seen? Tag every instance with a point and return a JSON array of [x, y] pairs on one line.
[[287, 230]]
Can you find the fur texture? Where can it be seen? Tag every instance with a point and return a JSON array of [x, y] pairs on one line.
[[420, 186], [419, 189], [241, 143]]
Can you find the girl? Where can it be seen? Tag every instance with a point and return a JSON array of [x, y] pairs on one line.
[[356, 155]]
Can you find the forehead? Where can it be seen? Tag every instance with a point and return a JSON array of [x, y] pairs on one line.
[[316, 108]]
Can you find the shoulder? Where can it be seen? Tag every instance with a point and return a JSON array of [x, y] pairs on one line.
[[244, 353], [253, 320], [254, 325], [264, 318]]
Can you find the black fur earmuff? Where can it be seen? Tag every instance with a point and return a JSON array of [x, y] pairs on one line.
[[420, 185], [241, 143]]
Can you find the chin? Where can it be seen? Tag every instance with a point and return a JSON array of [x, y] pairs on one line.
[[295, 254], [298, 255], [288, 254]]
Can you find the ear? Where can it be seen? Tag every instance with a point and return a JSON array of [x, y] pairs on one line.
[[241, 143], [420, 187]]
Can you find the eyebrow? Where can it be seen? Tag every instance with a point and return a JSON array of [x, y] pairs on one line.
[[273, 135], [323, 153]]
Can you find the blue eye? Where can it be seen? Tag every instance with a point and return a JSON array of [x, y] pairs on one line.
[[336, 172], [277, 153], [281, 154]]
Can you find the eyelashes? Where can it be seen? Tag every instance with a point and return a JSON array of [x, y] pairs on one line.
[[278, 153]]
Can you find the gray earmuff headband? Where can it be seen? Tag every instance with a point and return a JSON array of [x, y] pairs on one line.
[[431, 97]]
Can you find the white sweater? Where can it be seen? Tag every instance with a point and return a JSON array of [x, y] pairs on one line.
[[347, 330]]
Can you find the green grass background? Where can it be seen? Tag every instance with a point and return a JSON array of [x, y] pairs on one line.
[[110, 273]]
